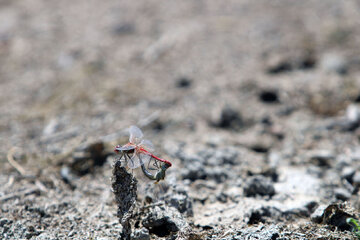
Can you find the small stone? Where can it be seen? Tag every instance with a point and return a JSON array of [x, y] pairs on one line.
[[322, 158], [51, 127], [334, 63], [164, 220], [182, 203], [261, 214], [183, 82], [352, 121], [258, 185], [278, 64], [269, 96], [342, 194], [336, 215], [229, 118], [318, 214], [348, 174], [356, 178]]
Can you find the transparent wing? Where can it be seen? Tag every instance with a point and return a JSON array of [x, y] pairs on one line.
[[138, 159], [147, 145], [136, 135], [133, 162]]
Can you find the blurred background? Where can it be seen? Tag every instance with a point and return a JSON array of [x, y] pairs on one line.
[[93, 68], [262, 77]]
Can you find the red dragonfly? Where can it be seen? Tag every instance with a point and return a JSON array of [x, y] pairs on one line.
[[138, 152]]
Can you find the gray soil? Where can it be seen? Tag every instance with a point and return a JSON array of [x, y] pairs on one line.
[[256, 104]]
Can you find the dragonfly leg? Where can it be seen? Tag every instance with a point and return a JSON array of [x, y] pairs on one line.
[[129, 159]]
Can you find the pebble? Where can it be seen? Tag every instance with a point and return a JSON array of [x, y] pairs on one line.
[[318, 214], [229, 118], [183, 82], [352, 116], [348, 174], [322, 158], [182, 202], [278, 64], [356, 178], [258, 185], [260, 214], [342, 194], [334, 63], [269, 96], [163, 220]]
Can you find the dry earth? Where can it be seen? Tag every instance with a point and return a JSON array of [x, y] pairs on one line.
[[256, 103]]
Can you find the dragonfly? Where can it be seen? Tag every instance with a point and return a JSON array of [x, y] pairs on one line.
[[138, 153]]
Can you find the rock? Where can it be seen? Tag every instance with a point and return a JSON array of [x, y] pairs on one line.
[[258, 185], [269, 96], [162, 220], [318, 214], [342, 194], [334, 63], [51, 127], [229, 119], [182, 203], [124, 186], [140, 234], [352, 116], [356, 178], [353, 113], [322, 158], [300, 211], [180, 199], [86, 157], [278, 64], [348, 174], [334, 214], [183, 82], [262, 214]]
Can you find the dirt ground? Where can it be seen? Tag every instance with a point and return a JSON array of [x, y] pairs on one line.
[[255, 103]]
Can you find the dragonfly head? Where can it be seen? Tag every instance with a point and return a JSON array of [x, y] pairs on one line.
[[125, 148], [117, 148]]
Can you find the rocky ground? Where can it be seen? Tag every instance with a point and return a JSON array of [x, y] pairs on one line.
[[256, 104]]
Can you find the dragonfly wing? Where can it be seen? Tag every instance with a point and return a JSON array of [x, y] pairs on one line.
[[147, 145], [135, 134], [133, 161], [144, 158]]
